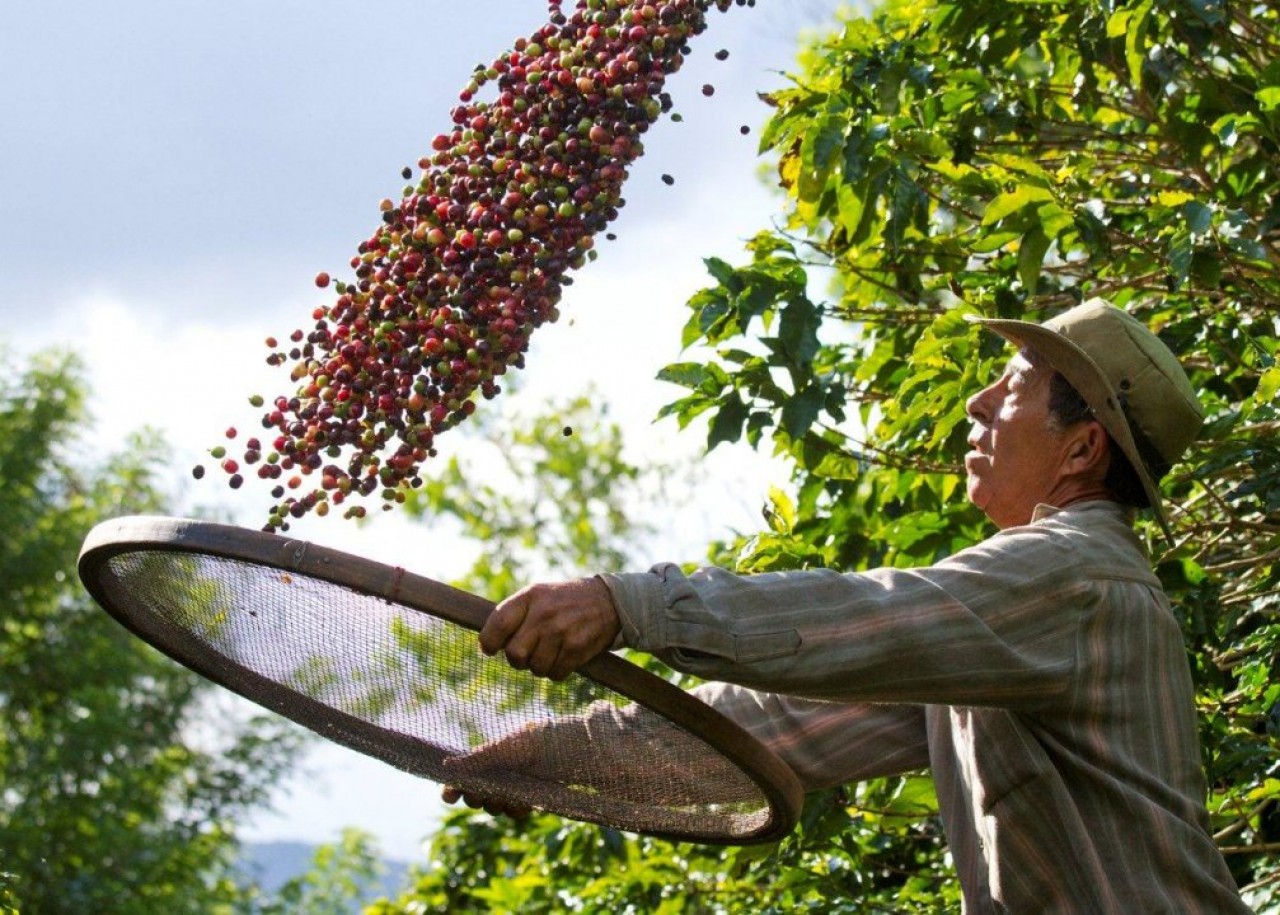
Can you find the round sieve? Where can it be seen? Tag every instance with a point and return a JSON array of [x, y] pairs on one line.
[[386, 662]]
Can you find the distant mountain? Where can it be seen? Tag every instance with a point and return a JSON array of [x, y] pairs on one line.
[[272, 864]]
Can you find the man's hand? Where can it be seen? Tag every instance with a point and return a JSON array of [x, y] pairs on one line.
[[620, 754], [553, 629], [525, 750], [492, 806]]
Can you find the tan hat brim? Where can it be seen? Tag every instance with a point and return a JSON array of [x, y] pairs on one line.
[[1088, 379]]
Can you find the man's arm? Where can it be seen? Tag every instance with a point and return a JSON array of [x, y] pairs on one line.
[[994, 625], [827, 743]]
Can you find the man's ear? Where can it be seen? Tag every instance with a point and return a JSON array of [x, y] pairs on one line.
[[1088, 451]]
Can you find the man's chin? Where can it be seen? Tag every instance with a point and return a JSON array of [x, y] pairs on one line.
[[973, 489]]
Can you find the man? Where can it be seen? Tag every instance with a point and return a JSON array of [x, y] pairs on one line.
[[1039, 674]]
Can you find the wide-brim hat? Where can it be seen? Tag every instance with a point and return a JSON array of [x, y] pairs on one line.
[[1132, 383]]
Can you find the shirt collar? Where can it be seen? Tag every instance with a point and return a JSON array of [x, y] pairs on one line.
[[1044, 510]]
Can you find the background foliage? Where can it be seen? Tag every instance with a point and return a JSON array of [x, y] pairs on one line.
[[122, 775], [1012, 159]]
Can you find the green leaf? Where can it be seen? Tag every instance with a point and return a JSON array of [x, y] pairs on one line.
[[993, 241], [710, 309], [726, 425], [757, 422], [781, 511], [1170, 198], [1268, 386], [1054, 220], [1180, 253], [817, 156], [800, 411], [1210, 12], [722, 271], [1118, 22], [687, 409], [1198, 216], [1031, 258], [1135, 46], [798, 332], [1268, 98], [1007, 204], [685, 374]]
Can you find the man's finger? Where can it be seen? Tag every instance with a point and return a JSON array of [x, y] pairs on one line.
[[521, 750], [517, 812], [543, 659], [503, 622], [522, 646]]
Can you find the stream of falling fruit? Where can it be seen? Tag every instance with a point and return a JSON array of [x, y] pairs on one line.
[[449, 287]]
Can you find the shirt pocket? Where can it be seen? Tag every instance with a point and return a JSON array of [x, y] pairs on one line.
[[692, 641]]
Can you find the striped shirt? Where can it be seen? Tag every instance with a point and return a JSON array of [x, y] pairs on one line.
[[1040, 675]]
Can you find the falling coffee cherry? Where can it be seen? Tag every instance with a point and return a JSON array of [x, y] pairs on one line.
[[452, 279]]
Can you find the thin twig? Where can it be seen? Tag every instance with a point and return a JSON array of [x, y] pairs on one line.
[[1264, 848], [1259, 884]]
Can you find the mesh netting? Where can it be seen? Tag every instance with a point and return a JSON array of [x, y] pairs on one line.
[[415, 691]]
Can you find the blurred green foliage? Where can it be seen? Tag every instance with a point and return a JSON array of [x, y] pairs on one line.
[[119, 790], [341, 874]]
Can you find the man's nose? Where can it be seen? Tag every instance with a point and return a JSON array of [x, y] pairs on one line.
[[978, 407]]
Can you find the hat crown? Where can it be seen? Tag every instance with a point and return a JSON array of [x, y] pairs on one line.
[[1154, 391]]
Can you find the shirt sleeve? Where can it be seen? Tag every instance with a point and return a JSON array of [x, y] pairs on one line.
[[827, 743], [996, 625]]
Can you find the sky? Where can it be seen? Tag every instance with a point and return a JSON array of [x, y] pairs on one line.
[[173, 175]]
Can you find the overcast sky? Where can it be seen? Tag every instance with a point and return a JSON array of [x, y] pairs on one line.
[[173, 174]]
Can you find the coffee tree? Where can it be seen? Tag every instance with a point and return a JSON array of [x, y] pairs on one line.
[[1010, 159]]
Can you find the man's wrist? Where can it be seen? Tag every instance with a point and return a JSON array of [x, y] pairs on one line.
[[639, 601]]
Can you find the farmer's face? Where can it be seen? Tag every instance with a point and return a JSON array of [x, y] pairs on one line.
[[1016, 448]]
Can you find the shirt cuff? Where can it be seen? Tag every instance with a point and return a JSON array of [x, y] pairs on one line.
[[641, 602]]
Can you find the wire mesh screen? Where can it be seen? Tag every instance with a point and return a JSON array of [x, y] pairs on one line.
[[400, 684]]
